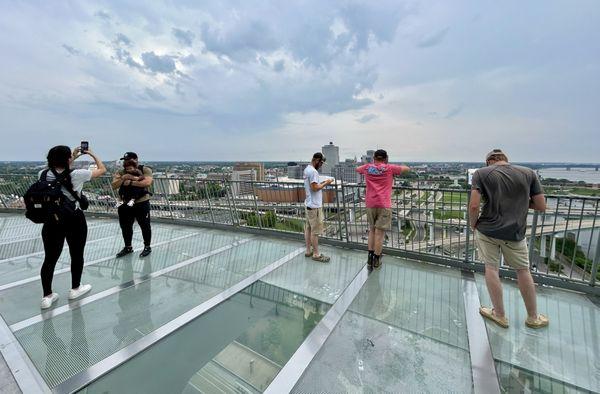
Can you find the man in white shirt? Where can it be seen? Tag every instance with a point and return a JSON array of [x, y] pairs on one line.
[[314, 207]]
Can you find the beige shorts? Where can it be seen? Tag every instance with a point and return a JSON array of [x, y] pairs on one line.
[[314, 220], [380, 218], [516, 253]]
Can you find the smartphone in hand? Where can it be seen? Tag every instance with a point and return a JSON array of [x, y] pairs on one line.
[[85, 146]]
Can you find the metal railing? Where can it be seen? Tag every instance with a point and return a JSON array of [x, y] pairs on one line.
[[427, 223]]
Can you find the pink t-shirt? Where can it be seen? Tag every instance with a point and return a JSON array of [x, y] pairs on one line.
[[380, 179]]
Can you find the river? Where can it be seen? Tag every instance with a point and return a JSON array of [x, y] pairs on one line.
[[589, 175]]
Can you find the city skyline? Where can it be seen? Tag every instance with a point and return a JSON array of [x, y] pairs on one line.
[[428, 82]]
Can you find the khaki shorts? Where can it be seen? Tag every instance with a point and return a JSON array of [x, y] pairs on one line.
[[516, 253], [314, 221], [380, 218]]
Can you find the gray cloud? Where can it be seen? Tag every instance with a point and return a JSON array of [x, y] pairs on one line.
[[122, 39], [124, 56], [241, 41], [105, 16], [158, 63], [454, 111], [278, 66], [184, 37], [71, 50], [367, 118], [154, 94], [433, 39]]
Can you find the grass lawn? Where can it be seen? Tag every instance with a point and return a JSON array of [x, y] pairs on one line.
[[584, 191], [451, 198], [445, 215]]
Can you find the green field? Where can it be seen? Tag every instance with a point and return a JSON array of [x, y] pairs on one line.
[[445, 215], [577, 191], [454, 198]]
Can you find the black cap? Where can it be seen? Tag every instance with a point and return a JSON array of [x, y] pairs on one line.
[[129, 156], [320, 156], [380, 154]]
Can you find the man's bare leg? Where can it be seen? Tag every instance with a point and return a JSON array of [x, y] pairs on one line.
[[527, 288], [372, 239], [379, 236], [315, 244], [494, 286], [307, 239]]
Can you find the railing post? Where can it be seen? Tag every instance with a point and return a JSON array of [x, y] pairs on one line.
[[2, 199], [345, 212], [166, 194], [468, 229], [596, 262], [338, 213], [256, 206], [235, 211], [207, 191], [532, 236], [228, 203]]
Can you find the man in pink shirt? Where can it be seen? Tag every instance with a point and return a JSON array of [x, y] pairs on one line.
[[379, 177]]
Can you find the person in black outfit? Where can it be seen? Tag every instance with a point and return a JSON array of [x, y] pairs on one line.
[[130, 193], [140, 211], [71, 227]]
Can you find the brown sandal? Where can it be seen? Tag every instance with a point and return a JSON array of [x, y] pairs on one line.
[[321, 258], [488, 313]]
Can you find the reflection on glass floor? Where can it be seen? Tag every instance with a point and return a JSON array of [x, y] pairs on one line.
[[398, 335], [405, 330], [540, 360]]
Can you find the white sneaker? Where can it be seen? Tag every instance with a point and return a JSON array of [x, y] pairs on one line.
[[49, 300], [78, 292]]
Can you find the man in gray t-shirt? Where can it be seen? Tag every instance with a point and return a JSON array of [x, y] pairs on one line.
[[507, 192]]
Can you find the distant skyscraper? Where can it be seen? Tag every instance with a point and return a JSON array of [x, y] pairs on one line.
[[368, 158], [295, 170], [332, 156]]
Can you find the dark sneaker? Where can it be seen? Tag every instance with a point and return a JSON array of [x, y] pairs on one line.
[[125, 251], [147, 250], [376, 261], [370, 262]]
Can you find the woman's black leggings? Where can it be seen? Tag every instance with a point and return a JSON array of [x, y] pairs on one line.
[[74, 230], [140, 212]]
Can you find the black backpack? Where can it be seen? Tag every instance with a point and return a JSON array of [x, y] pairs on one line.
[[45, 202]]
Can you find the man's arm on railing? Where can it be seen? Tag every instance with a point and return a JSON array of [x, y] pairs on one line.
[[538, 202], [474, 208]]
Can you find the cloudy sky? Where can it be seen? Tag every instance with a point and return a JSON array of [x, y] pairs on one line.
[[274, 80]]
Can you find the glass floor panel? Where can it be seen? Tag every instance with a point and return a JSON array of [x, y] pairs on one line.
[[98, 329], [568, 350], [22, 302], [398, 335], [323, 282], [239, 346]]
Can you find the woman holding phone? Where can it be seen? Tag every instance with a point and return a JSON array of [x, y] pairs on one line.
[[71, 226]]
